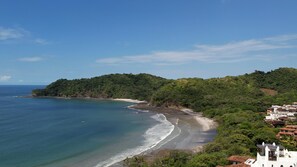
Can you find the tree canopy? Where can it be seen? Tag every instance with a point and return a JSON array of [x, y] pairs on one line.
[[140, 86], [236, 103]]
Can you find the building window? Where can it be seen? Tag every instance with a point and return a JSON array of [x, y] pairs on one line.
[[271, 156], [281, 153], [261, 151]]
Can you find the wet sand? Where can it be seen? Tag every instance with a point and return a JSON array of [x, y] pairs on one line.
[[191, 131]]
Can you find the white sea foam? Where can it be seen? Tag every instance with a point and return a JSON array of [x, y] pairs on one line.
[[129, 100], [131, 108], [152, 137]]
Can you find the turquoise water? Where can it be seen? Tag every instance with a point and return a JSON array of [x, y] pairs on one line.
[[64, 132]]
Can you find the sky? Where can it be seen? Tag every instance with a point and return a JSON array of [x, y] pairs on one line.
[[45, 40]]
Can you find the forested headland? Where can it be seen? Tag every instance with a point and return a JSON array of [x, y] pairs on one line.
[[237, 103]]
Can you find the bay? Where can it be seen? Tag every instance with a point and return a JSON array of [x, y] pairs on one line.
[[70, 132]]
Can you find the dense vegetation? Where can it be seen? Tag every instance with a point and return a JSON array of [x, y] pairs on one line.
[[140, 86], [238, 134], [216, 96], [237, 103]]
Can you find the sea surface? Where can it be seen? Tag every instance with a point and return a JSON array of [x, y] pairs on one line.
[[72, 132]]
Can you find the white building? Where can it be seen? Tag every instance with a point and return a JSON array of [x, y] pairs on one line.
[[276, 116], [271, 155], [276, 112]]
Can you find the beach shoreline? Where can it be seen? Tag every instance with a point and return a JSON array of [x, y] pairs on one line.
[[129, 100], [135, 101], [191, 131], [207, 123]]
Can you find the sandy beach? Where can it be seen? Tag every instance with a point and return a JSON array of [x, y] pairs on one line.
[[130, 100], [190, 133], [206, 123], [192, 130]]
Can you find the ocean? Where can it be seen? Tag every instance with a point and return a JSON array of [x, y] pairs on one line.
[[54, 132]]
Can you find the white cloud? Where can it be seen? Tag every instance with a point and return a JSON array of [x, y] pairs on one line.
[[109, 60], [30, 59], [254, 49], [282, 38], [41, 41], [4, 78], [11, 33], [20, 33]]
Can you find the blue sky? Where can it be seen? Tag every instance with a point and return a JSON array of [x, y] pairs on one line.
[[42, 41]]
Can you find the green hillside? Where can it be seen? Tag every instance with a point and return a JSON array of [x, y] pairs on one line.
[[236, 103], [247, 92], [140, 86]]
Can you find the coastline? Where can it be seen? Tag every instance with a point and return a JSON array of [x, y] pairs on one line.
[[152, 137], [135, 101], [184, 119], [191, 131], [207, 123], [129, 100]]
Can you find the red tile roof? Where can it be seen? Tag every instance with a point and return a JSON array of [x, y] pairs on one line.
[[237, 158], [287, 129], [292, 126], [285, 133]]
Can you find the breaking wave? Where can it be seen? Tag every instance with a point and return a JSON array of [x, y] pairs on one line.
[[152, 137]]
